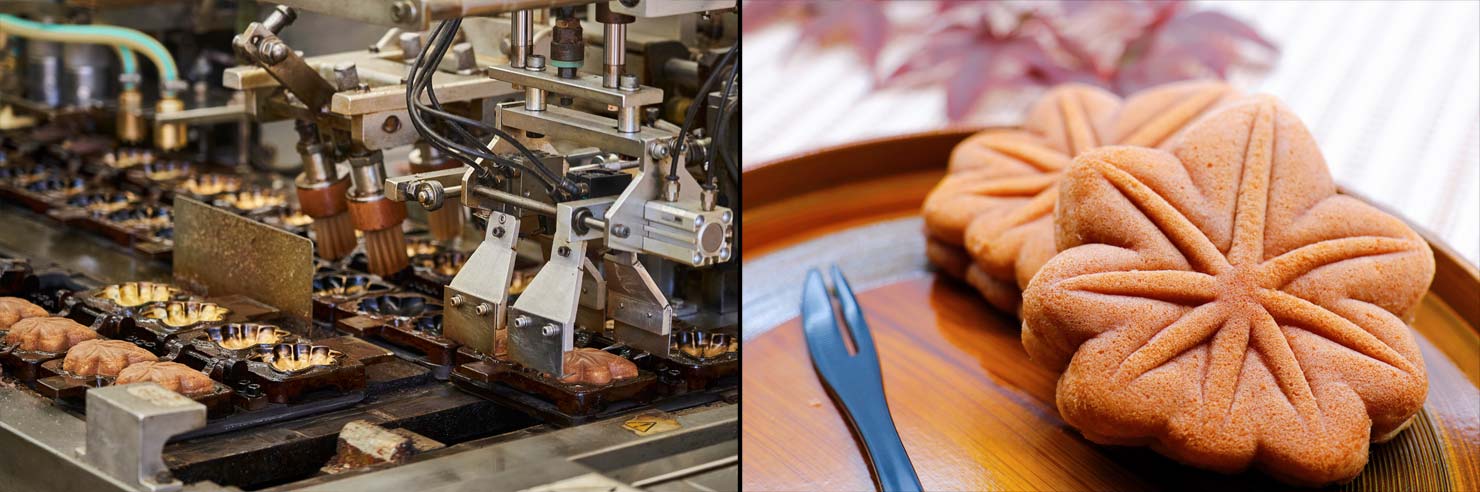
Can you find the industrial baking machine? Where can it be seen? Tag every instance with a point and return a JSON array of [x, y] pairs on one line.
[[492, 247]]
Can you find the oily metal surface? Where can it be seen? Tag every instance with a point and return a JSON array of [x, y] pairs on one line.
[[42, 239], [219, 253]]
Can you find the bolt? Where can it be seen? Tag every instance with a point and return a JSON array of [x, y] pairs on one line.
[[726, 217], [549, 330], [698, 220], [457, 299], [273, 52], [627, 82], [483, 309], [498, 232], [535, 63], [346, 76], [410, 44], [522, 321], [658, 149], [621, 230], [392, 123], [424, 195], [502, 218], [698, 259], [403, 11], [463, 54], [563, 251]]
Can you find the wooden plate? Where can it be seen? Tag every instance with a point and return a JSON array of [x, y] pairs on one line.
[[972, 410]]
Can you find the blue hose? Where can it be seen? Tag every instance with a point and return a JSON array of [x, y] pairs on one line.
[[130, 62], [155, 50]]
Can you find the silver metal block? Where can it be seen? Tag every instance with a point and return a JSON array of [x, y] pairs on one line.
[[546, 331], [127, 427], [683, 231], [642, 314], [483, 279], [581, 129], [585, 87]]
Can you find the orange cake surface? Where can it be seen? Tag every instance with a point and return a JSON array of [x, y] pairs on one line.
[[13, 309], [173, 376], [103, 357], [596, 367], [48, 334], [996, 201], [1220, 302]]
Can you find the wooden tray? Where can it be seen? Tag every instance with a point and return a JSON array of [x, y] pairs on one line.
[[973, 411]]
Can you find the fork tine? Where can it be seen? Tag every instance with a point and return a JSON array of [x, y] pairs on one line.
[[818, 322], [851, 313]]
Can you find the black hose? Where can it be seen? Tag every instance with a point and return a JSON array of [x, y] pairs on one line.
[[688, 121], [473, 150], [720, 140]]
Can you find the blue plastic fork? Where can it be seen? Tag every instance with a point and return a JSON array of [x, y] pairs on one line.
[[853, 380]]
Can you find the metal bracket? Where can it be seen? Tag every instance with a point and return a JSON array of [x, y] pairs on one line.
[[591, 316], [127, 427], [542, 323], [629, 211], [643, 315], [586, 87], [403, 188], [593, 291], [477, 300], [263, 48]]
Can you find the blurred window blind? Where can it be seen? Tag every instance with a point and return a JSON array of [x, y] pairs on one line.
[[1391, 91]]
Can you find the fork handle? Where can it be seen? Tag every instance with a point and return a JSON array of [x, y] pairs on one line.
[[868, 413]]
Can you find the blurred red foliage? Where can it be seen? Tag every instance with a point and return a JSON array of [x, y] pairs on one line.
[[977, 47]]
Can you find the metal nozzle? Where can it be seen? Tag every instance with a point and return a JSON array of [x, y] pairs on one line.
[[169, 136], [131, 127], [367, 174]]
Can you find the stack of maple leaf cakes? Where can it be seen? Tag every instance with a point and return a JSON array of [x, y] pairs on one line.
[[1184, 258]]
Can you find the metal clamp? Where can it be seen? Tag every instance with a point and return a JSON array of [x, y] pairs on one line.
[[478, 297], [542, 323]]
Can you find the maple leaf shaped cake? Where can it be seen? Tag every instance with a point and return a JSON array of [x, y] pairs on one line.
[[52, 334], [13, 309], [103, 357], [990, 220], [1223, 304], [173, 376], [596, 367]]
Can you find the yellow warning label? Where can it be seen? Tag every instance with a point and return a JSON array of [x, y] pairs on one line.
[[641, 427], [651, 423]]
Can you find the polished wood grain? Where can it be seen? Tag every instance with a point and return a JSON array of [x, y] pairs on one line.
[[972, 410]]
